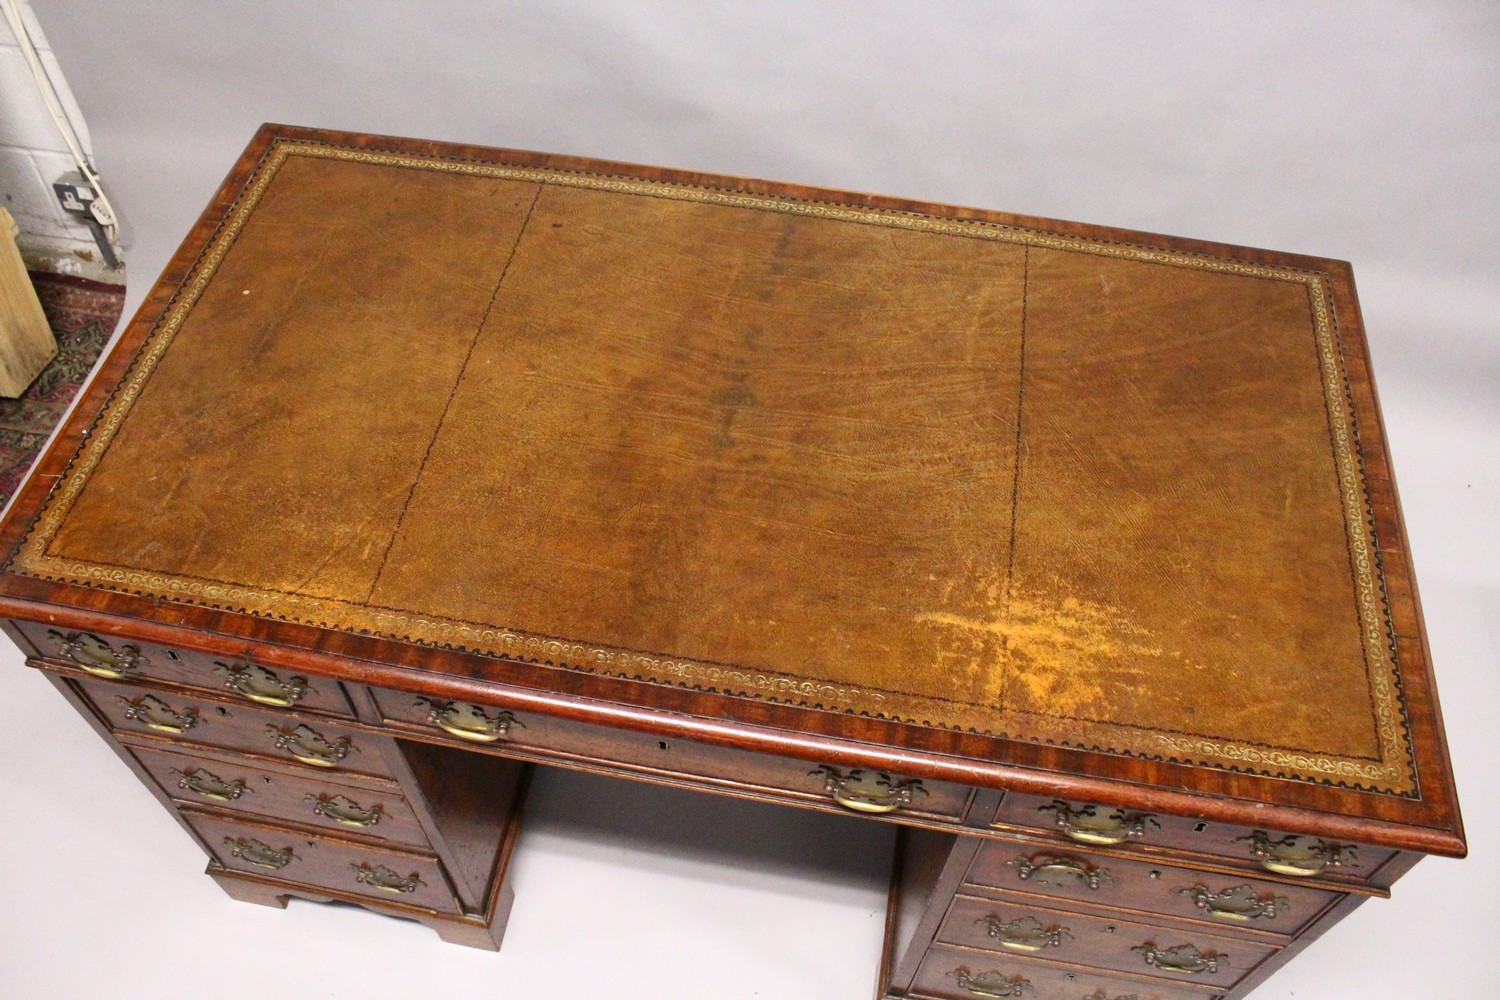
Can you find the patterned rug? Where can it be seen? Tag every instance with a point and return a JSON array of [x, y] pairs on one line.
[[82, 315]]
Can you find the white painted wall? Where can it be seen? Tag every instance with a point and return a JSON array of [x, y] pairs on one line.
[[32, 151]]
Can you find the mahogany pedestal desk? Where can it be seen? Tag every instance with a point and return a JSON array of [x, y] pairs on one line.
[[1074, 551]]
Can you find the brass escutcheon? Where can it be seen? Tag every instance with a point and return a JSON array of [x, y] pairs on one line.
[[1091, 824], [153, 713], [1025, 934], [868, 791], [93, 655], [469, 722], [1182, 959], [259, 854], [1299, 856], [1059, 870], [262, 685], [209, 785], [308, 746], [342, 809], [382, 878], [990, 984], [1240, 903]]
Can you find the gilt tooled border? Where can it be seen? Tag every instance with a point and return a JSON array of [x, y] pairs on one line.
[[1394, 773]]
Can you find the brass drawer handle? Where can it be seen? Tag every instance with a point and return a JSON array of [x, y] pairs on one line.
[[1240, 904], [1299, 856], [262, 685], [469, 722], [260, 855], [868, 791], [93, 655], [210, 786], [308, 746], [382, 878], [990, 984], [1025, 934], [1059, 870], [153, 713], [1090, 824], [1182, 959], [342, 809]]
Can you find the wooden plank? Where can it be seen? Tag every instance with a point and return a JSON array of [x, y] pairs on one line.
[[26, 341]]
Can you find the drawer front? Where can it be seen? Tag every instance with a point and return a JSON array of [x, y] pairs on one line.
[[125, 659], [646, 756], [323, 862], [1284, 854], [280, 736], [1227, 901], [953, 974], [1009, 928], [286, 795]]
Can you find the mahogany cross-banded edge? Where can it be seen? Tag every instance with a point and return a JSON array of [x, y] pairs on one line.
[[1427, 801]]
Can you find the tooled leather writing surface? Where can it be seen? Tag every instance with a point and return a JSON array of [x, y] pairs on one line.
[[1178, 526], [275, 442], [718, 440], [725, 430]]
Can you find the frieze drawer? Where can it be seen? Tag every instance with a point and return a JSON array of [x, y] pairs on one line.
[[622, 751], [325, 862], [282, 737], [1152, 890], [956, 974], [234, 678], [1009, 928], [1272, 850], [1281, 853], [294, 795]]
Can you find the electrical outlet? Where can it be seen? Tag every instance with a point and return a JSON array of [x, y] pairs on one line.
[[78, 198], [74, 193]]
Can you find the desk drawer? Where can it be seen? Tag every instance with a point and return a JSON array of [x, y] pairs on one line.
[[281, 736], [1085, 823], [297, 796], [126, 659], [1008, 928], [1150, 889], [956, 974], [620, 751], [326, 862]]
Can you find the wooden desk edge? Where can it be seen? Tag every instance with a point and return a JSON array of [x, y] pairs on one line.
[[729, 733]]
